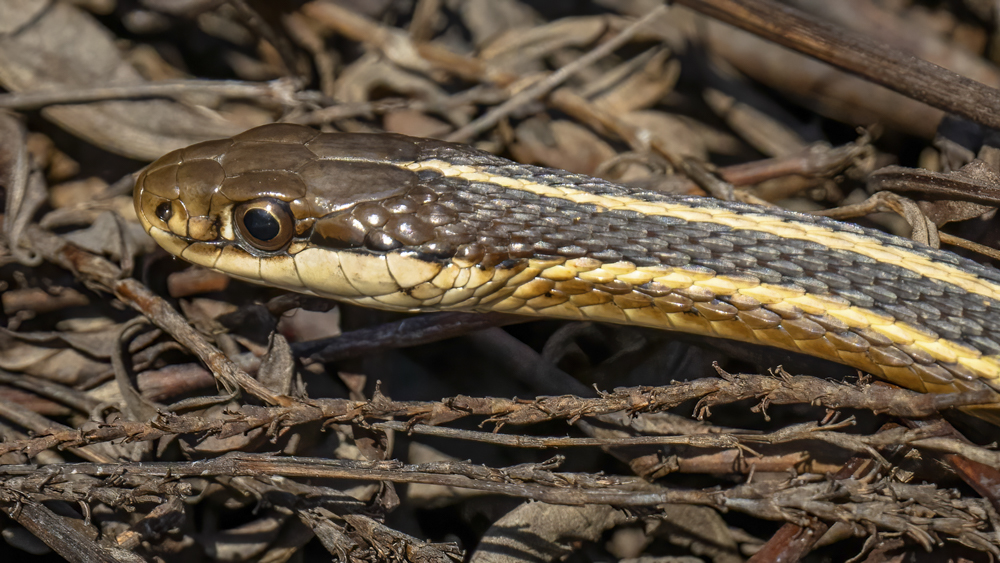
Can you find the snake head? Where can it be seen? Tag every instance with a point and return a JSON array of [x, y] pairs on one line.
[[280, 203]]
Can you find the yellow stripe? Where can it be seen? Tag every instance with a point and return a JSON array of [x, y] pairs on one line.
[[403, 282], [744, 221]]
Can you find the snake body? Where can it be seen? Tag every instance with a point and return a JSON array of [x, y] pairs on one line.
[[411, 224]]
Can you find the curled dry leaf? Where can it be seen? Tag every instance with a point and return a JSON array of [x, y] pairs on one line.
[[538, 531], [371, 73], [522, 51], [643, 82], [560, 144]]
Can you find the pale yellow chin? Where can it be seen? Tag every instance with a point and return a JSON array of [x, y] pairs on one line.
[[397, 281]]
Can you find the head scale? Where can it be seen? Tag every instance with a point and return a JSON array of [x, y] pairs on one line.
[[244, 204]]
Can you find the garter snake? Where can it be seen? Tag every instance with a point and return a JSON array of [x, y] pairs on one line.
[[408, 224]]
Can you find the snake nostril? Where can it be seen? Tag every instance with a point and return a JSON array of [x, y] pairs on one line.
[[164, 211]]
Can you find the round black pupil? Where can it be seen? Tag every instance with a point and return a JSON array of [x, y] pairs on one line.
[[164, 211], [261, 224]]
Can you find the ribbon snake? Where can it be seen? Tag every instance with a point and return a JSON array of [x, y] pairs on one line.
[[409, 224]]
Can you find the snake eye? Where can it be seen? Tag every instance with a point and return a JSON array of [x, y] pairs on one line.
[[164, 211], [266, 224]]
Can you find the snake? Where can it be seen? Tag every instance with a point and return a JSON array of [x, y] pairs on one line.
[[410, 224]]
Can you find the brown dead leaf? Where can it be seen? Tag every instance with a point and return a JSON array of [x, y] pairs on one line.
[[644, 84], [560, 144], [36, 55]]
